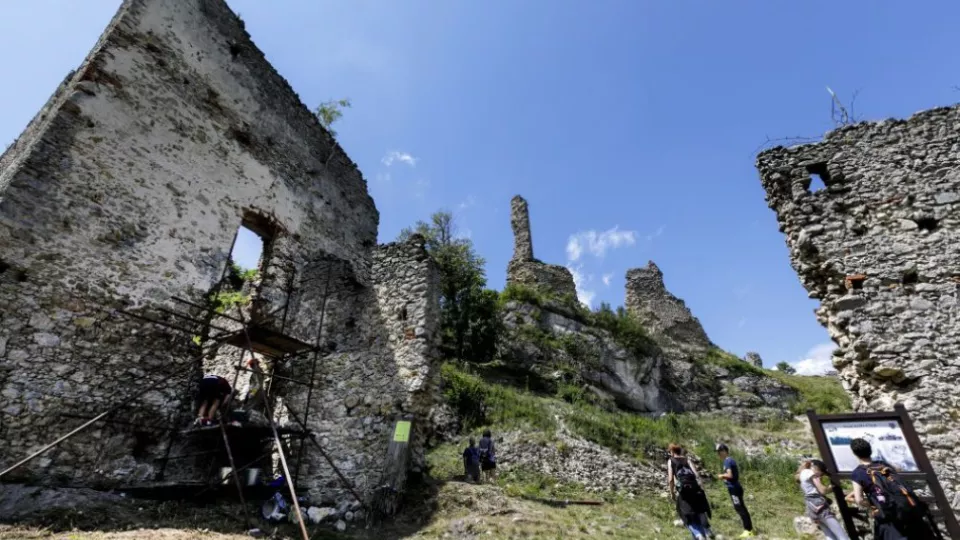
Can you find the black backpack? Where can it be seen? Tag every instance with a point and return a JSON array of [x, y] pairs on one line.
[[683, 472], [894, 501]]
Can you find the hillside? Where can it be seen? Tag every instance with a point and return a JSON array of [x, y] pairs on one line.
[[562, 446]]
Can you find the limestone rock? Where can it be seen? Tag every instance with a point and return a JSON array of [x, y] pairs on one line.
[[754, 359]]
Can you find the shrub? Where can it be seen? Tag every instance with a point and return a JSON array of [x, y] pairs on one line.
[[479, 403], [822, 394]]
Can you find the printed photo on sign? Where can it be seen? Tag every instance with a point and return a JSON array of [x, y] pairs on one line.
[[885, 437]]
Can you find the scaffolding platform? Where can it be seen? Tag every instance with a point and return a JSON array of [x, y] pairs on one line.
[[266, 341], [244, 430]]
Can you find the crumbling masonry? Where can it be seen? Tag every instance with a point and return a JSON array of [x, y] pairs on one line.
[[877, 244], [127, 189], [661, 313], [524, 269]]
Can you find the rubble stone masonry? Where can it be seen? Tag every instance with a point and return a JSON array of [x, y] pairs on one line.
[[128, 188], [871, 218]]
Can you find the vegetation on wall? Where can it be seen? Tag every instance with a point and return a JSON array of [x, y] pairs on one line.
[[470, 317], [330, 111]]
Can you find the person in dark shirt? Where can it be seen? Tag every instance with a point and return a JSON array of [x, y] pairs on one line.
[[471, 462], [731, 477], [865, 495], [215, 393], [488, 456]]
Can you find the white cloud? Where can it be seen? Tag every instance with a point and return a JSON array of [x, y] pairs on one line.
[[597, 244], [606, 279], [817, 361], [402, 157], [580, 281]]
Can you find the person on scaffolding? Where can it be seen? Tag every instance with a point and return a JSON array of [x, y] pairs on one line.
[[215, 394]]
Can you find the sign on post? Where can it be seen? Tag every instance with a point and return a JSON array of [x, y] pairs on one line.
[[893, 440]]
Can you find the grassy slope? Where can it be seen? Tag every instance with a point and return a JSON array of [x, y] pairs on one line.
[[767, 475]]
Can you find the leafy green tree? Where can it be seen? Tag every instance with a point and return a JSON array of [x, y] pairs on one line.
[[786, 368], [330, 111], [470, 321]]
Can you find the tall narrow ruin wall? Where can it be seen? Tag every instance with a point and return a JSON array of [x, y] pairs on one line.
[[387, 369], [879, 248], [664, 315], [130, 186]]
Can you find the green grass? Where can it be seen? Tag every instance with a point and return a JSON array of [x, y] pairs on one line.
[[822, 394], [772, 495], [479, 403]]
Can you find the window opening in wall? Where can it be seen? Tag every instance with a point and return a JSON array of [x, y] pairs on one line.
[[927, 224], [910, 277], [247, 249], [816, 183], [819, 177]]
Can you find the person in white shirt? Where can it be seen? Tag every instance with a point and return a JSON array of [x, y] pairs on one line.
[[818, 505]]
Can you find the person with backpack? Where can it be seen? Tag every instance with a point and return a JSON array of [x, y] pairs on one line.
[[731, 478], [814, 496], [898, 514], [471, 462], [488, 457], [683, 483]]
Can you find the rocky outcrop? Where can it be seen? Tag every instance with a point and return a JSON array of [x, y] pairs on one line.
[[753, 359], [665, 316], [549, 341], [876, 242], [524, 269]]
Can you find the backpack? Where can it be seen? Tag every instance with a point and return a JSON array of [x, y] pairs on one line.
[[893, 500], [686, 478]]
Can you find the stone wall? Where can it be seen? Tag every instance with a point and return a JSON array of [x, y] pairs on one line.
[[128, 187], [666, 317], [877, 245], [389, 371], [524, 269]]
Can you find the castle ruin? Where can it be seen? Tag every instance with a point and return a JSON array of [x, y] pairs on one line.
[[524, 269], [127, 190], [870, 217], [662, 313]]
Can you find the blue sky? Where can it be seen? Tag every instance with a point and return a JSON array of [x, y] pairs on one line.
[[630, 126]]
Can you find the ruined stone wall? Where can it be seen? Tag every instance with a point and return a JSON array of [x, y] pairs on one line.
[[878, 247], [525, 270], [390, 371], [662, 313], [129, 186]]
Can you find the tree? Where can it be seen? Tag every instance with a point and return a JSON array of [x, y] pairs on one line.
[[786, 368], [469, 313], [330, 111]]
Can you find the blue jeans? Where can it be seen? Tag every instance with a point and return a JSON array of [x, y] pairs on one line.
[[698, 528]]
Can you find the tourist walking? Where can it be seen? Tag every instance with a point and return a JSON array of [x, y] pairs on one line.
[[683, 482], [471, 462], [488, 457], [817, 504], [731, 477]]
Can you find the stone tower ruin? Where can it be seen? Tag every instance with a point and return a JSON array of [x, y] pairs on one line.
[[127, 189], [664, 315], [870, 216], [525, 270]]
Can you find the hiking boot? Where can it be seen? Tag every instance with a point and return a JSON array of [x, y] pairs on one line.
[[747, 534]]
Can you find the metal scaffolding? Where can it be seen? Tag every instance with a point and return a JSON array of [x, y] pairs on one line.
[[215, 328]]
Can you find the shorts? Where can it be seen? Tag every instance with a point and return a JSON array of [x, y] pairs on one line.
[[211, 389], [488, 465]]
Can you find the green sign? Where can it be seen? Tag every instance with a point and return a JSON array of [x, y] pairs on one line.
[[402, 433]]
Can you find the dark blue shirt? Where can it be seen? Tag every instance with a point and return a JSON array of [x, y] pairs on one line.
[[730, 464], [471, 456]]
